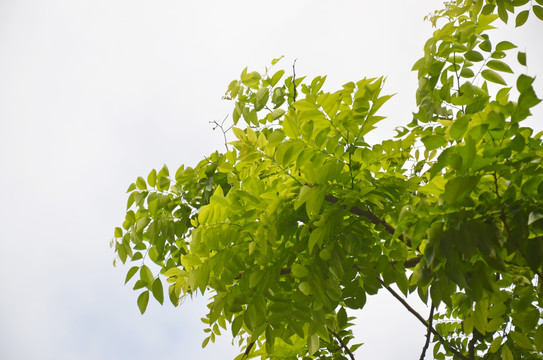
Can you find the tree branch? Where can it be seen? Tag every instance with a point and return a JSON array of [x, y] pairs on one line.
[[428, 333], [422, 320], [343, 345], [370, 216]]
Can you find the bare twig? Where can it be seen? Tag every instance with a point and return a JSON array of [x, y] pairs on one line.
[[423, 321], [294, 80], [221, 126], [343, 345], [428, 333]]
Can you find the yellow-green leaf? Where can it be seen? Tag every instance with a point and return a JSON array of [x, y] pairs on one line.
[[158, 291], [499, 65], [299, 270], [140, 183], [151, 178], [493, 76], [143, 300]]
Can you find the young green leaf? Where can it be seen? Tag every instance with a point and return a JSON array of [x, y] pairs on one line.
[[151, 178], [499, 66], [133, 270], [158, 291], [493, 76], [140, 183], [146, 275], [143, 300]]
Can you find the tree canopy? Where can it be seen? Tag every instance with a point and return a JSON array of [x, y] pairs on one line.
[[300, 219]]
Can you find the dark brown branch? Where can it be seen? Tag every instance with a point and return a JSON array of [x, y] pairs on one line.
[[343, 345], [248, 350], [471, 345], [422, 320], [370, 216], [428, 333], [412, 262]]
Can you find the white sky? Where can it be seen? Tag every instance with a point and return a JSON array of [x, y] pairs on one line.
[[96, 93]]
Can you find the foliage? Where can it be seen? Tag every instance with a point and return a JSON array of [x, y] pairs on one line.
[[302, 219]]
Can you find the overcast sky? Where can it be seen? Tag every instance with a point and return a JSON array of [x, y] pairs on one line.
[[96, 93]]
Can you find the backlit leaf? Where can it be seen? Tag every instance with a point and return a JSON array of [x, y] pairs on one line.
[[499, 65], [493, 76], [158, 291], [143, 300]]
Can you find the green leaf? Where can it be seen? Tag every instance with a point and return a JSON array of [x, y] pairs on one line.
[[432, 142], [538, 338], [305, 288], [506, 353], [524, 83], [143, 300], [140, 183], [118, 232], [499, 65], [459, 127], [151, 178], [521, 18], [277, 113], [521, 58], [342, 318], [146, 275], [261, 98], [158, 291], [505, 45], [276, 77], [538, 11], [313, 344], [480, 316], [459, 188], [467, 72], [250, 318], [270, 339], [131, 188], [236, 325], [521, 340], [493, 76], [474, 56], [299, 271], [133, 270]]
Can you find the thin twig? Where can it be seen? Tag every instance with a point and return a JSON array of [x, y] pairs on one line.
[[294, 80], [422, 320], [428, 333], [343, 345], [221, 126]]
